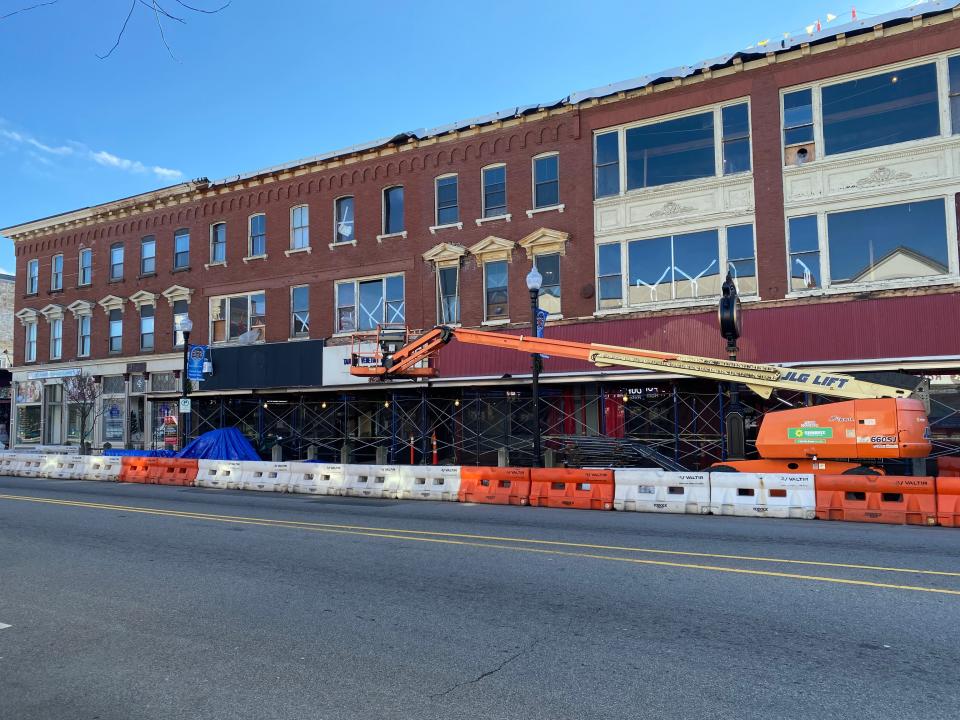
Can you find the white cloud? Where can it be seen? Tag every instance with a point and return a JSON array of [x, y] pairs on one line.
[[4, 271], [33, 142]]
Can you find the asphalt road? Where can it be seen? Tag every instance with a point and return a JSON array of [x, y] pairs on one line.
[[127, 601]]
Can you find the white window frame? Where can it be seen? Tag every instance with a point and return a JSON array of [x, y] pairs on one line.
[[178, 334], [440, 319], [81, 335], [56, 339], [213, 225], [30, 342], [110, 336], [533, 184], [505, 215], [250, 254], [80, 282], [123, 262], [143, 241], [249, 295], [437, 225], [560, 255], [294, 227], [33, 276], [56, 278], [294, 335], [178, 233], [153, 332], [495, 321], [357, 281]]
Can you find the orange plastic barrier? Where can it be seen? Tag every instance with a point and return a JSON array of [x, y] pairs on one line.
[[948, 501], [877, 498], [173, 471], [135, 470], [567, 488], [948, 466], [494, 485]]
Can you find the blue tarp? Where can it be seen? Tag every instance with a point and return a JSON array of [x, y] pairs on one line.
[[117, 452], [224, 444]]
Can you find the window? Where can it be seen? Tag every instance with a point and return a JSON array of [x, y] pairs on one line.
[[343, 220], [798, 127], [495, 191], [33, 277], [180, 310], [496, 306], [236, 315], [56, 339], [741, 260], [146, 327], [670, 151], [448, 295], [607, 164], [448, 210], [884, 109], [546, 181], [674, 267], [300, 227], [609, 276], [28, 424], [116, 261], [258, 236], [86, 267], [30, 346], [736, 138], [887, 243], [953, 67], [381, 300], [56, 273], [804, 253], [181, 249], [148, 256], [83, 336], [393, 210], [218, 243], [549, 267], [116, 331], [300, 311], [114, 408]]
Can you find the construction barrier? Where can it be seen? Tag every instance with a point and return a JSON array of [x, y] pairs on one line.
[[377, 481], [429, 482], [316, 478], [32, 466], [494, 485], [103, 469], [877, 498], [568, 488], [763, 495], [66, 467], [219, 474], [172, 471], [10, 464], [135, 470], [654, 490], [948, 467], [948, 501], [265, 476]]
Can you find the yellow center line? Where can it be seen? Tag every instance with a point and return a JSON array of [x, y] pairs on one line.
[[419, 536]]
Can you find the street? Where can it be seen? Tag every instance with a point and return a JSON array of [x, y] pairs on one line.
[[125, 602]]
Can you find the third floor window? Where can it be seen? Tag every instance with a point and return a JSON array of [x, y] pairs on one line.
[[343, 220], [495, 191], [181, 249], [148, 255], [546, 181], [116, 261], [393, 210], [33, 277], [218, 243], [56, 273], [448, 210], [300, 227], [258, 236], [86, 267]]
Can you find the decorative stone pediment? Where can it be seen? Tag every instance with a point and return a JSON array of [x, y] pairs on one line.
[[80, 308], [52, 312], [141, 298], [177, 292], [27, 316], [111, 302], [493, 248], [545, 242], [445, 254]]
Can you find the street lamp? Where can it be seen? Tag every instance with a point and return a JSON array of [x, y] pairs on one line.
[[185, 326], [534, 282], [729, 317]]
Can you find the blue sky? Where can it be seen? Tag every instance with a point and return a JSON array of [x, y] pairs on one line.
[[265, 82]]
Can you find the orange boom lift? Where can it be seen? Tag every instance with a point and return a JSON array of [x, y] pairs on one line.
[[876, 421]]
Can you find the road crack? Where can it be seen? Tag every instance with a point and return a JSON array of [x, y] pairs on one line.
[[488, 673]]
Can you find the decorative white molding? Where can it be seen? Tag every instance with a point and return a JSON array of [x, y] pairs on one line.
[[388, 236], [671, 209], [293, 251], [248, 258], [26, 316], [81, 308], [881, 176], [143, 297], [111, 302], [222, 263], [544, 241], [493, 218], [177, 292], [52, 312], [449, 226], [445, 254], [558, 208], [349, 243], [493, 248]]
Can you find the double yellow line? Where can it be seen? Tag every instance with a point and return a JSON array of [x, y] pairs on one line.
[[530, 545]]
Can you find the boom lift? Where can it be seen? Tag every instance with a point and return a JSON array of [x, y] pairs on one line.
[[876, 421]]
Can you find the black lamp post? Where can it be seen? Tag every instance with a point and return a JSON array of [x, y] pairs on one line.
[[729, 316], [186, 325], [534, 282]]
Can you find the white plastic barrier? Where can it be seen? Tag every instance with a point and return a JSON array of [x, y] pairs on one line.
[[429, 482], [32, 465], [264, 476], [654, 490], [316, 478], [10, 463], [378, 481], [66, 467], [763, 495], [220, 474], [103, 468]]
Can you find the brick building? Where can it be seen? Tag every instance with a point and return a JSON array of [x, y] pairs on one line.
[[822, 172]]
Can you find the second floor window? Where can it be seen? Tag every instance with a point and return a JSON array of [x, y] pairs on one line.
[[116, 261], [495, 191], [146, 327], [300, 227], [546, 181], [343, 220], [393, 210], [83, 336], [496, 298], [448, 210], [300, 311], [180, 311], [218, 243], [56, 339], [804, 245], [148, 255], [30, 345], [33, 277], [448, 295], [116, 331], [238, 315], [364, 304], [181, 249], [86, 267], [258, 236], [56, 273], [549, 267]]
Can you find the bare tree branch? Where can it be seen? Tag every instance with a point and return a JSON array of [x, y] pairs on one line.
[[120, 34], [157, 6], [34, 7], [205, 12], [156, 14]]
